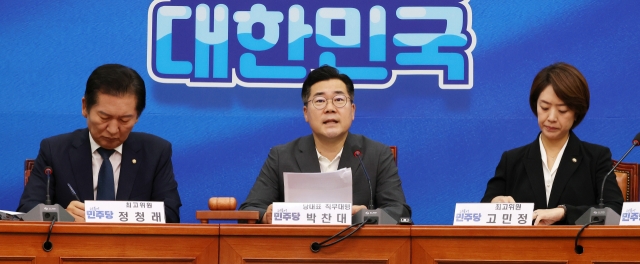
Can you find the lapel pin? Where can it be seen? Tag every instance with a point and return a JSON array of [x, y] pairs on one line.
[[574, 160], [134, 161]]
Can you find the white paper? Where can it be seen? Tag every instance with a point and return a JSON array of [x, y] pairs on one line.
[[321, 187], [11, 212]]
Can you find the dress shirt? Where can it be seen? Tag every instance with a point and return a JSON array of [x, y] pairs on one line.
[[327, 165]]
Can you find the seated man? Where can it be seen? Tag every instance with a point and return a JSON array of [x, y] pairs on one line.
[[329, 109], [106, 161]]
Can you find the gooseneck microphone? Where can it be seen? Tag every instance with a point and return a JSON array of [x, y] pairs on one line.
[[635, 142], [601, 215], [359, 219], [48, 171], [47, 211], [370, 215], [358, 154]]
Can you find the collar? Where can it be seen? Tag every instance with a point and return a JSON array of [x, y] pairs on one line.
[[95, 146], [543, 152], [337, 156]]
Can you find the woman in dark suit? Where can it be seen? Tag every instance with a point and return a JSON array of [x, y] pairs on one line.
[[558, 172]]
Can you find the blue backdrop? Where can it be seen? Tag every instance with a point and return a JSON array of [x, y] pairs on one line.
[[449, 141]]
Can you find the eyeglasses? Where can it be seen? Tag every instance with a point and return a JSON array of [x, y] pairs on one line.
[[320, 102]]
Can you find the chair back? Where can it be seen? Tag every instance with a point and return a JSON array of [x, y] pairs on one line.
[[627, 178], [28, 166], [394, 150]]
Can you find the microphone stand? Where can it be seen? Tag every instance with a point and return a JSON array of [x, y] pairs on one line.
[[604, 215]]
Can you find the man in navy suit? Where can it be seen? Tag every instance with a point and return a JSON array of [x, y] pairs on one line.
[[106, 161]]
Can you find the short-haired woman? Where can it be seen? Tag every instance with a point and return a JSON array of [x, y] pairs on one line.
[[558, 172]]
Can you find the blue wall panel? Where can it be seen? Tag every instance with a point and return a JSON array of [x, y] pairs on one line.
[[449, 141]]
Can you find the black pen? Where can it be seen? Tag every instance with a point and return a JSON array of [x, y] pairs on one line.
[[73, 192]]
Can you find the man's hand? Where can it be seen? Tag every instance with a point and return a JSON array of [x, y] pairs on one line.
[[503, 199], [357, 208], [266, 218], [76, 209]]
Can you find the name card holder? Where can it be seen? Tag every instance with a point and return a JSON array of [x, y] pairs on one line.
[[493, 214], [630, 213], [311, 214], [134, 212]]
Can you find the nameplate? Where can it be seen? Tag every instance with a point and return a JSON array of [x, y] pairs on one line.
[[135, 212], [630, 213], [311, 214], [493, 214]]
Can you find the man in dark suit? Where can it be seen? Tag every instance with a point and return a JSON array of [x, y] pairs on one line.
[[106, 161], [329, 109]]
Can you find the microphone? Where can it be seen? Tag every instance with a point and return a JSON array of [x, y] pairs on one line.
[[604, 215], [46, 211], [370, 215], [358, 154], [316, 246], [635, 142], [48, 171], [362, 217]]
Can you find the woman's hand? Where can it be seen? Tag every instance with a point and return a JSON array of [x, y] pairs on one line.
[[548, 216], [503, 199]]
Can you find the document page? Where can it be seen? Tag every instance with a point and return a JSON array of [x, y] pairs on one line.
[[322, 187], [11, 212]]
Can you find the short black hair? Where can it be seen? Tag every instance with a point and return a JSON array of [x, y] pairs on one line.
[[115, 80], [568, 84], [324, 73]]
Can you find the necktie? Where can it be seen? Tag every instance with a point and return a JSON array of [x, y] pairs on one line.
[[106, 188]]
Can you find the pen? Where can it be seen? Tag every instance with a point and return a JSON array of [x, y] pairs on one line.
[[73, 192]]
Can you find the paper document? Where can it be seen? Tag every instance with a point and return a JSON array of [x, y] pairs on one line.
[[322, 187], [11, 212]]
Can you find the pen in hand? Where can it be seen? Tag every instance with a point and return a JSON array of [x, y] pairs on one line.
[[74, 192]]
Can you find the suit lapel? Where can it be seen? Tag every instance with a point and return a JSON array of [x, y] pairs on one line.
[[129, 169], [308, 158], [533, 167], [570, 161], [348, 160], [80, 160]]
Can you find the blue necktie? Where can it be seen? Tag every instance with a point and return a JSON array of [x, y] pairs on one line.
[[106, 188]]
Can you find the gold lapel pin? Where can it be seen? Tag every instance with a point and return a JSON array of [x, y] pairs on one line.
[[134, 161], [574, 160]]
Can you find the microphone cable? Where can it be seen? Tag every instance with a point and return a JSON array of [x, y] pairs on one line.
[[577, 247], [47, 245], [315, 246]]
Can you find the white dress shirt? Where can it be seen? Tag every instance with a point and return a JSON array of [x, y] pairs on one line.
[[96, 162], [550, 173], [327, 165]]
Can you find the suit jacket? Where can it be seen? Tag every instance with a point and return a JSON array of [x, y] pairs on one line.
[[577, 183], [69, 155], [300, 156]]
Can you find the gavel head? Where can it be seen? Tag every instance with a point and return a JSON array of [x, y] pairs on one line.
[[222, 203]]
